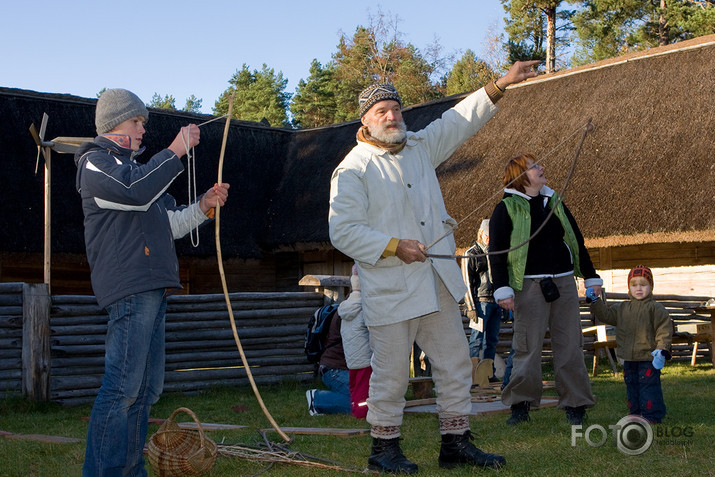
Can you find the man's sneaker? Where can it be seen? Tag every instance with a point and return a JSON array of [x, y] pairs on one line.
[[519, 413], [310, 396], [575, 415]]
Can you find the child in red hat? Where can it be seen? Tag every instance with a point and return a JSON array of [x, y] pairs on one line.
[[643, 336]]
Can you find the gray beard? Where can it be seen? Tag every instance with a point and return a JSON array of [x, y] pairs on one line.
[[394, 137]]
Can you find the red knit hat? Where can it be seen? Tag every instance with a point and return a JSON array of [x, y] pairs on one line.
[[641, 271]]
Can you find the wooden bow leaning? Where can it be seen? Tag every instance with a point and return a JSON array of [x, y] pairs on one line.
[[223, 280]]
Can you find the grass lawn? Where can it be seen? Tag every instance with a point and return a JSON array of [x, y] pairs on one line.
[[684, 444]]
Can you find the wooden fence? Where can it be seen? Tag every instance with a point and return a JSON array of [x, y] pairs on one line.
[[11, 318], [200, 348], [52, 348]]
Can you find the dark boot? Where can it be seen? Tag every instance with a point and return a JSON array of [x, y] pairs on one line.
[[458, 450], [575, 415], [388, 457], [519, 413]]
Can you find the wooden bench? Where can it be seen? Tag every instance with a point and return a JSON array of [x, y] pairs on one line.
[[694, 333], [605, 340], [334, 288]]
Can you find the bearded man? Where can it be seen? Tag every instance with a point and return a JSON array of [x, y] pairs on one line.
[[385, 205]]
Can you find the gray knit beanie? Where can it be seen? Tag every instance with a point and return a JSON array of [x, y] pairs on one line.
[[116, 106], [375, 93]]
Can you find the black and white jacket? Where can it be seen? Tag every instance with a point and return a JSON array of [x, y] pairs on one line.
[[130, 221]]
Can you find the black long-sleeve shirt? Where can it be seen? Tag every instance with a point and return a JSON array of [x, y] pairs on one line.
[[548, 253]]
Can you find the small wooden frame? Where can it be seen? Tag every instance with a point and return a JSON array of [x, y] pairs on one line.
[[206, 426], [40, 438], [324, 431], [480, 405]]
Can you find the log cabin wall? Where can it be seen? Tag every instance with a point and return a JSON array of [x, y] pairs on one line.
[[200, 348], [70, 273], [662, 255], [326, 262], [201, 351], [11, 339], [683, 269]]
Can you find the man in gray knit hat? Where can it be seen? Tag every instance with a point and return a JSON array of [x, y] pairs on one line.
[[385, 205], [130, 224]]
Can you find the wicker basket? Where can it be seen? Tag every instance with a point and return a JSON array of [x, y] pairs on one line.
[[174, 451]]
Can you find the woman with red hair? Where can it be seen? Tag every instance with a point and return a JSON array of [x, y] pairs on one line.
[[542, 250]]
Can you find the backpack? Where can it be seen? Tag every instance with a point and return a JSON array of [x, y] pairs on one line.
[[317, 331]]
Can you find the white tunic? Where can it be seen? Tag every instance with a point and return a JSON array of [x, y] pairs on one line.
[[376, 195]]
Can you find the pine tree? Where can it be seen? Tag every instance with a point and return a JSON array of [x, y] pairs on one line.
[[193, 105], [469, 73], [533, 27], [606, 28], [313, 103], [377, 54], [167, 102], [259, 96]]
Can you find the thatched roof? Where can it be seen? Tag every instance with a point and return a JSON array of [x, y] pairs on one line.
[[299, 213], [253, 161], [646, 174]]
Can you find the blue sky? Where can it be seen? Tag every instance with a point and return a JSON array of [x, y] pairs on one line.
[[183, 48]]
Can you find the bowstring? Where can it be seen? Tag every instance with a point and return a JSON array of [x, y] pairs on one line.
[[586, 129], [191, 180]]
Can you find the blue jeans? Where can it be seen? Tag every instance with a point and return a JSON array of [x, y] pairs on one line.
[[133, 380], [337, 400], [483, 344]]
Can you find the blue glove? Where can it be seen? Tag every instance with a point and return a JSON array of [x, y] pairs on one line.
[[658, 358], [590, 295]]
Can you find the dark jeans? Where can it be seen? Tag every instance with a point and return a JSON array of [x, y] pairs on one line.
[[483, 344], [643, 390]]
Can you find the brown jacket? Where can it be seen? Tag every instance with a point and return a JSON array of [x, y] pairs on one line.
[[641, 326], [334, 355]]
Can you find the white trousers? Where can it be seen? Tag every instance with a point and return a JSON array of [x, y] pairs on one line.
[[441, 336]]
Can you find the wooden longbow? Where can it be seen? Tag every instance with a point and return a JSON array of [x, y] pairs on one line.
[[223, 280]]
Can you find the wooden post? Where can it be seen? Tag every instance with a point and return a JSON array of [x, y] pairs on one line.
[[48, 216], [36, 341], [712, 334], [695, 353]]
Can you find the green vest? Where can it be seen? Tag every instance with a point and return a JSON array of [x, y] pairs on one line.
[[520, 215]]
